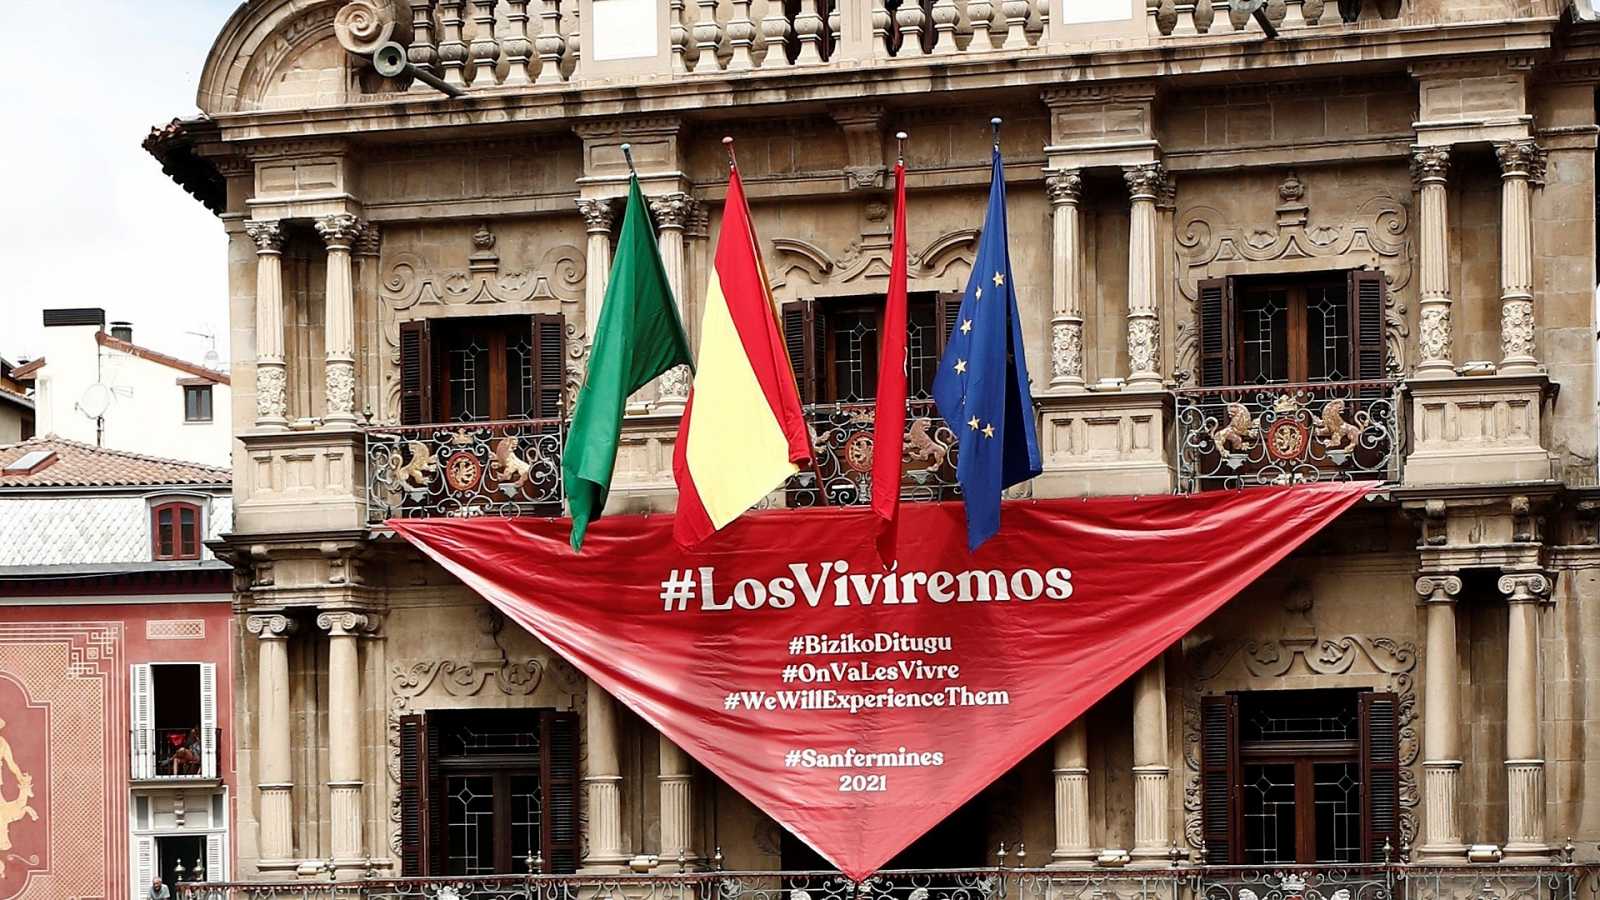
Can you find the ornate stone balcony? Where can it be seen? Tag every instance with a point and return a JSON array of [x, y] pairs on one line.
[[465, 469], [1189, 18], [1178, 882], [1287, 434]]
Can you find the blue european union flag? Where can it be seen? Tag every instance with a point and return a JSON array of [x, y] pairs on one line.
[[982, 385]]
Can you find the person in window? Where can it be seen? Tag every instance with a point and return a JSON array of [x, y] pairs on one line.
[[158, 891], [185, 753]]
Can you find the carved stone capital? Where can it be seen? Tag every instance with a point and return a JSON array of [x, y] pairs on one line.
[[1147, 181], [340, 230], [1437, 587], [1521, 159], [1526, 587], [1064, 186], [370, 241], [699, 225], [1430, 165], [268, 235], [346, 623], [597, 215], [270, 626], [673, 210]]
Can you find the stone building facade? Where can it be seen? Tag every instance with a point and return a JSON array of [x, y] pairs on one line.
[[1387, 206]]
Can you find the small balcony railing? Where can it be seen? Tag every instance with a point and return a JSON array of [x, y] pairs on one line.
[[1179, 882], [1189, 18], [841, 436], [174, 754], [507, 468], [1287, 434]]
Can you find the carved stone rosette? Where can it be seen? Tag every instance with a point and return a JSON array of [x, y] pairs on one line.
[[272, 398]]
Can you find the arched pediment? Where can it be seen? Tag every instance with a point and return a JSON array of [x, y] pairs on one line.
[[266, 43]]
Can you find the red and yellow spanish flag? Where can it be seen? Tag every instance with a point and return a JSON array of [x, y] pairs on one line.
[[743, 432]]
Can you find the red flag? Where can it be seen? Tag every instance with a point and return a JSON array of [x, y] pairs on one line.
[[889, 421], [860, 708]]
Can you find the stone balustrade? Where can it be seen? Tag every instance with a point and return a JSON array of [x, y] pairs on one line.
[[488, 45]]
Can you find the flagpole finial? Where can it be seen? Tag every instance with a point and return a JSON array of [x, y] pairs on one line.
[[900, 142], [994, 125], [627, 154], [727, 142]]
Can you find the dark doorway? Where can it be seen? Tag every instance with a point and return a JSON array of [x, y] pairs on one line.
[[173, 851]]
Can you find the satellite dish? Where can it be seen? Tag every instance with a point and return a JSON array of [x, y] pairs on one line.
[[96, 400]]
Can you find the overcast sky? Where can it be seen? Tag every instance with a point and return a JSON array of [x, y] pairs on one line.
[[86, 217]]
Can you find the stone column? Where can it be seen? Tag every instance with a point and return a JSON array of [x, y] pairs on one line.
[[1430, 169], [672, 212], [677, 805], [344, 735], [1525, 834], [273, 777], [1145, 185], [339, 232], [1441, 711], [369, 281], [1521, 166], [1072, 796], [603, 781], [1066, 313], [1151, 840], [597, 218], [272, 407]]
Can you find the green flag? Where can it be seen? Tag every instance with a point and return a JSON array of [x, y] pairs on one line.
[[637, 338]]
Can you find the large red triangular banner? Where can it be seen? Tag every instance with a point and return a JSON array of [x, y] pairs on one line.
[[843, 700]]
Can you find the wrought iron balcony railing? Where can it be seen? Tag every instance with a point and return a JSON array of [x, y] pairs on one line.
[[1287, 434], [1182, 882], [465, 469], [841, 434], [174, 754]]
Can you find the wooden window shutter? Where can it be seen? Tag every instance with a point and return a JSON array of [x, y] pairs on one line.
[[947, 309], [558, 772], [435, 832], [1368, 295], [1380, 773], [805, 335], [1219, 778], [416, 373], [413, 796], [549, 366], [1214, 317]]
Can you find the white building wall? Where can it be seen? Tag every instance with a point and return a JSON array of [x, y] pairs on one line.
[[145, 413]]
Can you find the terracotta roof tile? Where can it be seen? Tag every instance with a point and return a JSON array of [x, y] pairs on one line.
[[81, 465]]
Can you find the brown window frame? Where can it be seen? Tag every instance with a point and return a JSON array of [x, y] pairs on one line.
[[1220, 338], [202, 391], [180, 549], [425, 366], [1223, 759], [424, 839], [812, 344]]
